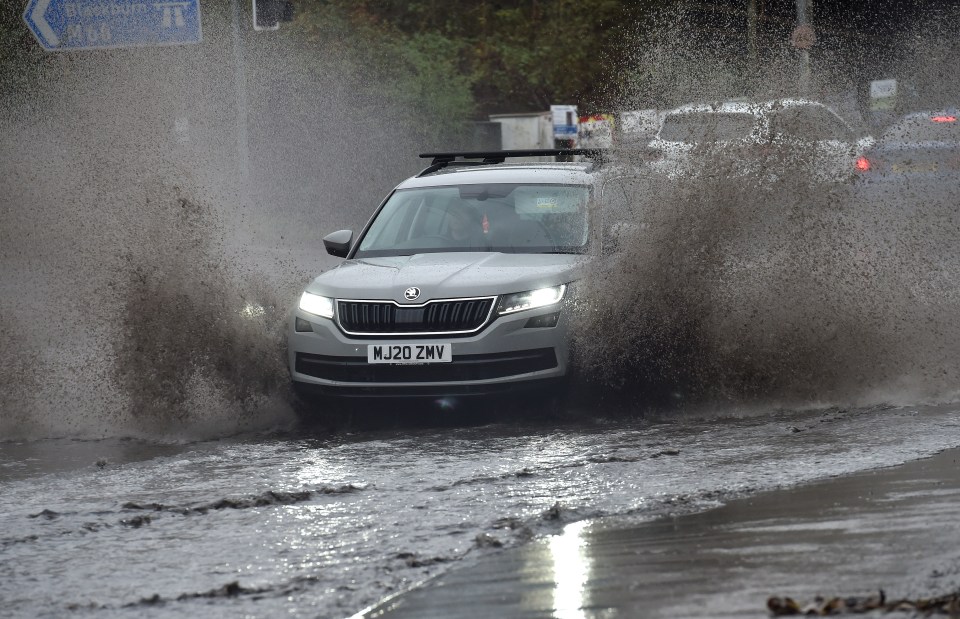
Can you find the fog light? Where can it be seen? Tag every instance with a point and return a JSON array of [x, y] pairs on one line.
[[302, 325], [541, 322]]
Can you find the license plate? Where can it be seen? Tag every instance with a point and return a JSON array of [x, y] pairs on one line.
[[914, 168], [405, 352]]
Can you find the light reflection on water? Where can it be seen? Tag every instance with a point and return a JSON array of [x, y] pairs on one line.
[[571, 568]]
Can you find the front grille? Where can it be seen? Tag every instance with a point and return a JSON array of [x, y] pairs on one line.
[[462, 368], [386, 317]]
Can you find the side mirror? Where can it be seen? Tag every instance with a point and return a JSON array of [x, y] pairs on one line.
[[338, 243]]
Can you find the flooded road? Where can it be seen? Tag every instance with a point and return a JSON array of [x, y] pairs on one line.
[[293, 523], [163, 208]]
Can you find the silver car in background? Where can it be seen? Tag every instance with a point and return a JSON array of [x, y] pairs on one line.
[[772, 137], [456, 285]]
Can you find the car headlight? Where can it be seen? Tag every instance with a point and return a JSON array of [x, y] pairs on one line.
[[315, 304], [531, 299]]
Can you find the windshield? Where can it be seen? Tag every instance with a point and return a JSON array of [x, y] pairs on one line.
[[507, 217], [695, 127]]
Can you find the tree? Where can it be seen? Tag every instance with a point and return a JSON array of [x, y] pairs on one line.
[[412, 75], [513, 56], [21, 59]]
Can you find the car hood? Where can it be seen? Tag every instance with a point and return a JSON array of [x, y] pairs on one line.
[[446, 275]]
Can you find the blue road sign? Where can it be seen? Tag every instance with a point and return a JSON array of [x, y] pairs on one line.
[[98, 24]]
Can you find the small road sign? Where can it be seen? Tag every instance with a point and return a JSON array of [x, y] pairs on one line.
[[564, 121], [63, 25], [803, 37]]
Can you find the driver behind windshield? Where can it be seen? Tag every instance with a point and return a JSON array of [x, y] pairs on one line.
[[465, 226]]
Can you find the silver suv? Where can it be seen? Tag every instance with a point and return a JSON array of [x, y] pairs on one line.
[[456, 285]]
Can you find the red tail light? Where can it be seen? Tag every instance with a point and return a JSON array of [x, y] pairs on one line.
[[863, 164]]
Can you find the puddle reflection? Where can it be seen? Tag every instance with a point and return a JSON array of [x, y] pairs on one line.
[[570, 571]]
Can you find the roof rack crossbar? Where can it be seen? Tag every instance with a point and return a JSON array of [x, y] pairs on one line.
[[442, 160]]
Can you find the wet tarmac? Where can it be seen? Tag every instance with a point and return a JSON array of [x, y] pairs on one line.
[[883, 538], [294, 523]]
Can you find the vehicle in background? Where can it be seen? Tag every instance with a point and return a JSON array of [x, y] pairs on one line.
[[526, 131], [458, 284], [771, 138], [596, 131], [635, 128], [921, 148]]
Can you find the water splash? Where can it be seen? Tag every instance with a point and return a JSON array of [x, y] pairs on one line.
[[734, 287], [194, 342]]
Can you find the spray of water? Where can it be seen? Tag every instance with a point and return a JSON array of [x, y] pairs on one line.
[[17, 374], [734, 292], [160, 210], [749, 278], [195, 345], [145, 278]]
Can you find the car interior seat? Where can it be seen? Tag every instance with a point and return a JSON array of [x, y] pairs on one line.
[[508, 229]]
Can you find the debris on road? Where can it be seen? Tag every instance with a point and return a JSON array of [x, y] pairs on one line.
[[948, 605]]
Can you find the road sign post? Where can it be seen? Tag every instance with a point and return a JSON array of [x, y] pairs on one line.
[[66, 25], [803, 38]]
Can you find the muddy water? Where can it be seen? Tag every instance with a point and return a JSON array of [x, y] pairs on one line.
[[294, 524]]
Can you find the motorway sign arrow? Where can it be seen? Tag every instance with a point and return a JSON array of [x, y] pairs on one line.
[[98, 24]]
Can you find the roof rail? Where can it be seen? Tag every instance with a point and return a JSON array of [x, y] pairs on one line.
[[442, 160]]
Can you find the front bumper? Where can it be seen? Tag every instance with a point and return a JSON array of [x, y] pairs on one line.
[[510, 353]]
